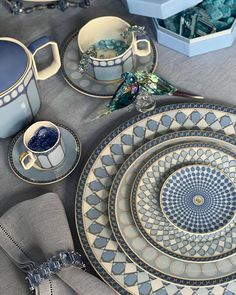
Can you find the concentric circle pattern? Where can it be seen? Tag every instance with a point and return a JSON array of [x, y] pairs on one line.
[[163, 261], [149, 217], [198, 199]]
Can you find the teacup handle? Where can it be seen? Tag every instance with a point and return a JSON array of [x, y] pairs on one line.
[[142, 52], [29, 157], [53, 68]]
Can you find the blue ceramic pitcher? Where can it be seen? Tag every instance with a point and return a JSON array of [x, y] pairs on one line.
[[19, 96]]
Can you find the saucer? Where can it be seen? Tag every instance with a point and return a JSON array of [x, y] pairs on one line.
[[43, 177], [86, 84]]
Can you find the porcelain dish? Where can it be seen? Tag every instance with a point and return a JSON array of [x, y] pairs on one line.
[[111, 28], [146, 208], [87, 85], [94, 228], [37, 176], [145, 255]]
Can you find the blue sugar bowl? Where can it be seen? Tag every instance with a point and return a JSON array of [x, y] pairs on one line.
[[19, 95]]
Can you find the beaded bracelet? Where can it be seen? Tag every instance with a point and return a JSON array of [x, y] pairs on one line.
[[52, 266]]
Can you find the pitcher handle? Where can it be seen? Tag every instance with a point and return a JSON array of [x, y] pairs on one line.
[[53, 68]]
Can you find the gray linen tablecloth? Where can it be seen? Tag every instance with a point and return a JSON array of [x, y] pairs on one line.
[[212, 75]]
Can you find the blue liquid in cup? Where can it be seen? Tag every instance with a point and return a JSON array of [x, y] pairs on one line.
[[43, 139]]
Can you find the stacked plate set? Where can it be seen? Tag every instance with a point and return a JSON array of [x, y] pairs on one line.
[[156, 202]]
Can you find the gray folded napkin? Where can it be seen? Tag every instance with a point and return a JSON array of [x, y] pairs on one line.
[[30, 233]]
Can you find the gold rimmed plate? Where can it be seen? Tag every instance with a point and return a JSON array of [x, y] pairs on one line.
[[147, 256], [106, 255], [146, 205]]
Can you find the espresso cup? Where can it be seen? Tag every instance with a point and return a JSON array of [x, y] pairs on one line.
[[45, 159], [110, 27]]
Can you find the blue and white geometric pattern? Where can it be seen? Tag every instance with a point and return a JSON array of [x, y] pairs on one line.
[[95, 183], [198, 199], [85, 83], [159, 262], [149, 217]]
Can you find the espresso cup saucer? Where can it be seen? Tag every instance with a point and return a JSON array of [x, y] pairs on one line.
[[46, 176], [86, 84]]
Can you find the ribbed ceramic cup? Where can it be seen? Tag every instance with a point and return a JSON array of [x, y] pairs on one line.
[[110, 27], [46, 159]]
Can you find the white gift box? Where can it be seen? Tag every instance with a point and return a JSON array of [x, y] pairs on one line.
[[195, 46], [162, 9], [159, 8]]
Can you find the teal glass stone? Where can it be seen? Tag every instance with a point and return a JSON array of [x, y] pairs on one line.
[[226, 11], [98, 49], [118, 43], [218, 2], [229, 2], [220, 25], [172, 23], [108, 44], [230, 20], [206, 18], [212, 2], [214, 12], [101, 43], [233, 10]]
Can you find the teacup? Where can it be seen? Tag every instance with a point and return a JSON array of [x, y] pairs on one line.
[[105, 28], [44, 146]]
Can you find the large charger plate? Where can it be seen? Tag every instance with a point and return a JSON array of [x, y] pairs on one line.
[[153, 260], [148, 215], [93, 226]]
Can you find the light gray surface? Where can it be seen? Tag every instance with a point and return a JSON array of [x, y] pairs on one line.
[[212, 75]]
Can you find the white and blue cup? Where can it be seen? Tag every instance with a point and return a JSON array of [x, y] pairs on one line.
[[111, 27], [44, 147]]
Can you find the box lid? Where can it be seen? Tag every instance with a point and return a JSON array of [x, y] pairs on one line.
[[159, 8]]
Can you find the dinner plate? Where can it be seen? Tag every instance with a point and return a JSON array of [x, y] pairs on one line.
[[144, 254], [86, 84], [93, 226], [149, 217]]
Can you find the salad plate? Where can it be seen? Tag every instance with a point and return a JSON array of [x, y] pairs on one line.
[[148, 214], [137, 248]]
